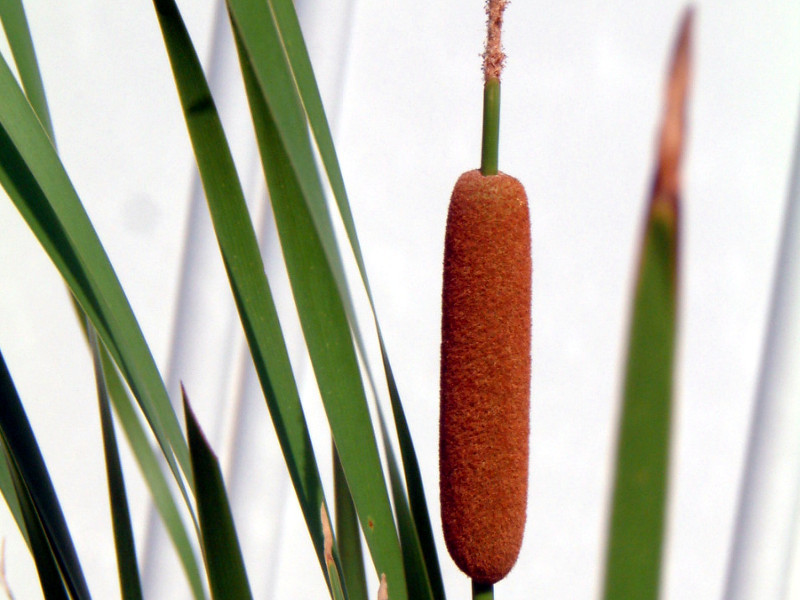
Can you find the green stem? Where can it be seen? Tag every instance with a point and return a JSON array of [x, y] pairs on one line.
[[491, 126], [482, 591]]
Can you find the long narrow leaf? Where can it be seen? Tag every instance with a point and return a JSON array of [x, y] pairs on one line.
[[153, 475], [261, 39], [416, 492], [53, 585], [348, 534], [637, 522], [330, 345], [35, 180], [129, 580], [418, 579], [18, 34], [242, 259], [26, 461], [635, 545], [223, 556], [302, 70], [15, 25], [297, 55], [10, 494]]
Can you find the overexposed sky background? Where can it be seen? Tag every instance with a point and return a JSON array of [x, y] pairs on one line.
[[401, 81]]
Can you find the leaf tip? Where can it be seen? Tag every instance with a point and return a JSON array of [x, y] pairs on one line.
[[674, 121], [383, 589], [327, 534]]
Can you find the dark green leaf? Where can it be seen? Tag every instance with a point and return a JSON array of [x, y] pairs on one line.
[[53, 585], [10, 496], [242, 259], [297, 55], [35, 180], [153, 475], [127, 567], [328, 338], [27, 465], [224, 562], [348, 535]]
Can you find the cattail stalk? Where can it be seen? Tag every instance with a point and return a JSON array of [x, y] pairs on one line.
[[493, 62], [485, 368]]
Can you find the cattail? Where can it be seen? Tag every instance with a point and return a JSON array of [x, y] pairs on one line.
[[486, 354], [486, 358], [485, 374]]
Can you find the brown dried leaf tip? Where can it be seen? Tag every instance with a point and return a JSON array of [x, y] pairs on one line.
[[674, 123], [383, 589], [493, 57], [327, 534]]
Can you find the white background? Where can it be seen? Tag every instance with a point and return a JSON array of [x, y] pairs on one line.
[[581, 102]]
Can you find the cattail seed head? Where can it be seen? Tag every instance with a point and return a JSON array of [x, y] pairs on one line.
[[485, 374]]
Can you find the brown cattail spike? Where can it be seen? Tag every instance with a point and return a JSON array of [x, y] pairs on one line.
[[493, 57], [485, 374]]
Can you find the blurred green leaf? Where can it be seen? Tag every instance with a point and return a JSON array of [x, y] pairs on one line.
[[35, 492], [634, 552], [224, 563]]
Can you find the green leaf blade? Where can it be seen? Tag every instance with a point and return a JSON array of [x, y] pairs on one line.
[[348, 535], [35, 180], [245, 269], [634, 553], [52, 584], [127, 567], [299, 60], [224, 562], [31, 480], [15, 25], [153, 476], [329, 341]]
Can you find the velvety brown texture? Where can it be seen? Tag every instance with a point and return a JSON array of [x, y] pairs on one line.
[[485, 374]]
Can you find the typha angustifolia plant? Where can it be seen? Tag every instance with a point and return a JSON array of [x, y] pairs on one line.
[[387, 509]]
